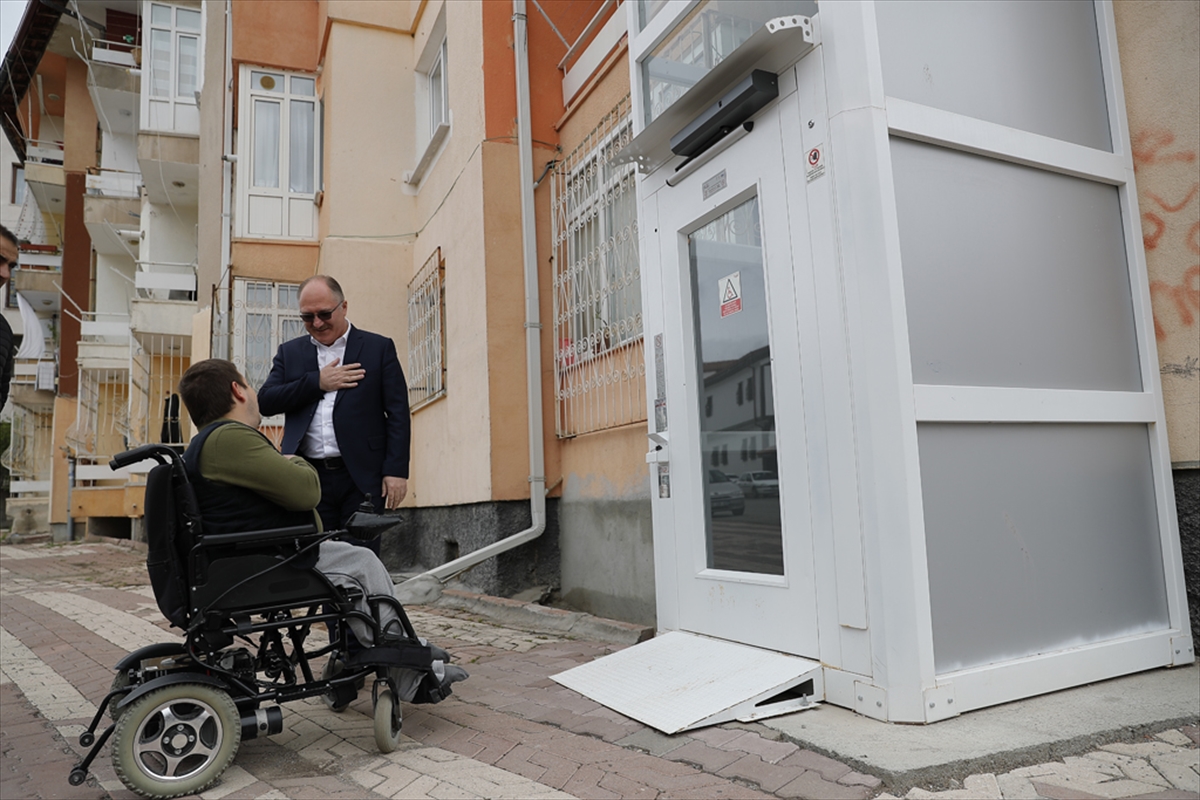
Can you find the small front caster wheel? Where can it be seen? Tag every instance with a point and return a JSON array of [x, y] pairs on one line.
[[77, 777], [387, 721], [87, 739]]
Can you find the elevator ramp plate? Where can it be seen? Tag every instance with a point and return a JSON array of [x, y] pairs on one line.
[[679, 681]]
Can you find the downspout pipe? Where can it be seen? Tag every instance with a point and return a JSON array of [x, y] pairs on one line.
[[533, 328], [224, 293]]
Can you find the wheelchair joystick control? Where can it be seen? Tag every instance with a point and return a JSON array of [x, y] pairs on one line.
[[365, 524]]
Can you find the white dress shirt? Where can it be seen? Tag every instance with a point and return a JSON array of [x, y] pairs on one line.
[[320, 441]]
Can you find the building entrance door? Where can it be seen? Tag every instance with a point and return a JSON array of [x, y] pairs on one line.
[[738, 484]]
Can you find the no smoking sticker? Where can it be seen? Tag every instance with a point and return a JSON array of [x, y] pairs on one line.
[[729, 291], [815, 163]]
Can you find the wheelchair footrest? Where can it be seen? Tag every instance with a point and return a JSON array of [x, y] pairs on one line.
[[406, 656]]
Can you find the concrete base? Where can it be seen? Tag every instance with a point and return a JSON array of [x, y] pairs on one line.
[[1001, 738], [60, 532]]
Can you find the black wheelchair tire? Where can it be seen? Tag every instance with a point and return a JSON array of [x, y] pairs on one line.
[[198, 714]]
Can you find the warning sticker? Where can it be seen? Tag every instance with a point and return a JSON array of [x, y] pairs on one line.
[[729, 290], [815, 163]]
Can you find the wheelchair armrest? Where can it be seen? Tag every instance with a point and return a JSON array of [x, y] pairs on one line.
[[259, 537]]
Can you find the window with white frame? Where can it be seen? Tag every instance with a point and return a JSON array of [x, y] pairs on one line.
[[265, 315], [432, 100], [599, 353], [439, 100], [172, 44], [427, 332], [279, 149]]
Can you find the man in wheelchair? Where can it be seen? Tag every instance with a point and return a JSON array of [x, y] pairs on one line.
[[243, 483], [237, 555]]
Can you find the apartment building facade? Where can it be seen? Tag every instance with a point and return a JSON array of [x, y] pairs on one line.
[[406, 188], [101, 112]]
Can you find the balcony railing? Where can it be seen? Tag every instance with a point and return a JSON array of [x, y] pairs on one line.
[[43, 151], [162, 280], [99, 326], [114, 183], [121, 54]]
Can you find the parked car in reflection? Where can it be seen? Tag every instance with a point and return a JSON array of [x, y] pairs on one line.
[[724, 494], [760, 484]]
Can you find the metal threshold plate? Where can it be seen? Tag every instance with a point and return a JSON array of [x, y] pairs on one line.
[[679, 681]]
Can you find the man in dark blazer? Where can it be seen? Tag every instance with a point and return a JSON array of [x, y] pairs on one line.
[[346, 405]]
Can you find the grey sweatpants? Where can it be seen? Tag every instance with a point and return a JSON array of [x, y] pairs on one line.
[[348, 566]]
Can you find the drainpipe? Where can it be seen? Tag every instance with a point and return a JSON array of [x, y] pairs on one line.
[[533, 327], [70, 486], [223, 282]]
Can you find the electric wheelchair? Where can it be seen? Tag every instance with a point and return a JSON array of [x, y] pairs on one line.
[[179, 710]]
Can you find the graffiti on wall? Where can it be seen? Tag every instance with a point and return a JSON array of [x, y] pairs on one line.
[[1170, 227]]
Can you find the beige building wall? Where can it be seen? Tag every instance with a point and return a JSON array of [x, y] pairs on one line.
[[451, 449], [1159, 42]]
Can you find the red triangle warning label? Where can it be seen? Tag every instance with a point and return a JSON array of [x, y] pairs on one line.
[[729, 290]]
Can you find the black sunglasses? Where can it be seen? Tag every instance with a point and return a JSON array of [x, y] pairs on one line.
[[308, 317]]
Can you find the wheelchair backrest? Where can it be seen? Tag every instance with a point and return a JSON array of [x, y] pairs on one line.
[[171, 527]]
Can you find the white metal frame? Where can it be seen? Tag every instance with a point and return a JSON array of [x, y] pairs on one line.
[[278, 315], [298, 210], [867, 512], [889, 404], [599, 365], [427, 332], [180, 111], [690, 595]]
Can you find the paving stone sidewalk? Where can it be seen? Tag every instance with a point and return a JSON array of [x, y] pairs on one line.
[[67, 613]]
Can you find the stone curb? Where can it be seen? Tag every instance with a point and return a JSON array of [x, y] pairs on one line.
[[543, 619]]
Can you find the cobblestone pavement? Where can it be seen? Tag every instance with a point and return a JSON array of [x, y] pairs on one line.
[[68, 613]]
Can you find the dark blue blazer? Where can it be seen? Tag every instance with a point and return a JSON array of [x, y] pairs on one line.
[[371, 421]]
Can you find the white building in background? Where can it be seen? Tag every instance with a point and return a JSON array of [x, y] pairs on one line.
[[100, 111]]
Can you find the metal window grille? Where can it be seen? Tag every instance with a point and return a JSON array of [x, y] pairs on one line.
[[28, 457], [250, 319], [427, 333], [265, 315], [599, 352], [101, 415], [156, 413]]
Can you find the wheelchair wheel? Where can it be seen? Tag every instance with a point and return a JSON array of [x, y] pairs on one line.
[[176, 740], [387, 721]]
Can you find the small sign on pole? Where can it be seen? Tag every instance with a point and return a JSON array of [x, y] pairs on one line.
[[729, 290]]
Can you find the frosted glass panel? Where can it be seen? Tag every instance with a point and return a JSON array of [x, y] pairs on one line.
[[1039, 537], [1033, 66], [1013, 276]]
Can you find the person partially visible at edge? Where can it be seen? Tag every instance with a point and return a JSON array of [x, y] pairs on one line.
[[345, 402], [8, 262], [242, 483]]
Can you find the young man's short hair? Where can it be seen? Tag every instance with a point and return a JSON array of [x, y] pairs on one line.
[[205, 389], [7, 234]]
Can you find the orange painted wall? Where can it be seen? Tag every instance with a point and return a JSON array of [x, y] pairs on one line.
[[276, 33], [276, 261], [53, 71], [545, 51]]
